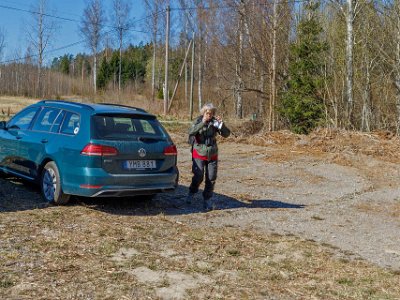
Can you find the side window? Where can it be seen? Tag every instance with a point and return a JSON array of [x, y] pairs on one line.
[[56, 125], [71, 124], [46, 118], [23, 119]]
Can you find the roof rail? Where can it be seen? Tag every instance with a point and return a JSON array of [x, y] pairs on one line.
[[67, 102], [126, 106]]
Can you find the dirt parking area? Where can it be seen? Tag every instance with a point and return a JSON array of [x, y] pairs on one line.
[[295, 217]]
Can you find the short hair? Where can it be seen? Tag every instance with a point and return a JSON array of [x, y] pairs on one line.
[[208, 106]]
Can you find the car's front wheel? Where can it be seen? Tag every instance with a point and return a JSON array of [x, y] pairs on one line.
[[51, 185]]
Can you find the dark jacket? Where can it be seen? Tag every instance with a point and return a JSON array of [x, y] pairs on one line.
[[205, 135]]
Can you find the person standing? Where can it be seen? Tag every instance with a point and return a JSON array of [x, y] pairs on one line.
[[203, 133]]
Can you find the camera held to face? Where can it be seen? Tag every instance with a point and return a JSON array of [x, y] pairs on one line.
[[217, 124]]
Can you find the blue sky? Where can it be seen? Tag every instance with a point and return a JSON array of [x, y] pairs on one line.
[[13, 19]]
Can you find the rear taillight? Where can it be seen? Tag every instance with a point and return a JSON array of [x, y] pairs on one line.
[[90, 186], [99, 150], [170, 150]]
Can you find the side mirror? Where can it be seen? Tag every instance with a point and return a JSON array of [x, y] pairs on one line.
[[3, 125]]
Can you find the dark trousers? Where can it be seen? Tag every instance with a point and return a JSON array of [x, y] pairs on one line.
[[199, 169]]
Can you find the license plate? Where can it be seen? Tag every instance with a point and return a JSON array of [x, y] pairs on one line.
[[140, 164]]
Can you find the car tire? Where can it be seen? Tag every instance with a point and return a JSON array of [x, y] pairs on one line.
[[51, 185]]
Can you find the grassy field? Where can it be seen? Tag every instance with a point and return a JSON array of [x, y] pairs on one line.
[[132, 251]]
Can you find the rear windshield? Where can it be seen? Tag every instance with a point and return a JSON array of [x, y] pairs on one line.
[[126, 127]]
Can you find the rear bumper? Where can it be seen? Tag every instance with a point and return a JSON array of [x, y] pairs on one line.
[[97, 183], [132, 192]]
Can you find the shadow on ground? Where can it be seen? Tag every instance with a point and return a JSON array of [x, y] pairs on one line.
[[18, 195], [175, 204]]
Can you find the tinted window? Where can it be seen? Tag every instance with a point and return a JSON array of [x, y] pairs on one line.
[[23, 119], [57, 122], [71, 123], [125, 127], [46, 119]]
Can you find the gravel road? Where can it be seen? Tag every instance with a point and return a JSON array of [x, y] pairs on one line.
[[352, 207]]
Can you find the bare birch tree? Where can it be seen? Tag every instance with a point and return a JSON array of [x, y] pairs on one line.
[[121, 20], [2, 46], [273, 66], [370, 59], [200, 49], [349, 59], [2, 42], [349, 9], [40, 32], [153, 7], [239, 62], [92, 27], [392, 54]]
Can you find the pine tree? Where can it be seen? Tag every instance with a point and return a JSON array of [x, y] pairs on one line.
[[104, 74], [302, 104]]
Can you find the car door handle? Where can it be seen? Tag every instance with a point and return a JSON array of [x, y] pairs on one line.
[[44, 141], [18, 137]]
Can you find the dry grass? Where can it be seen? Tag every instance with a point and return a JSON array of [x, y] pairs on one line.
[[392, 209], [10, 105], [382, 145], [84, 253]]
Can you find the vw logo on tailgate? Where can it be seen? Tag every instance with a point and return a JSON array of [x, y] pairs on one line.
[[142, 152]]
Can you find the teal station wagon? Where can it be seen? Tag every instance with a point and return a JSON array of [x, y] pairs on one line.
[[91, 150]]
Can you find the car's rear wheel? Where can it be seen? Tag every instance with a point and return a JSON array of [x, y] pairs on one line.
[[51, 185]]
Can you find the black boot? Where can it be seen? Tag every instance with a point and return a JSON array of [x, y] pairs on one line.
[[207, 206]]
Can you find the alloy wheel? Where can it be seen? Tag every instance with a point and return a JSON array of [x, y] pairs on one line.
[[49, 184]]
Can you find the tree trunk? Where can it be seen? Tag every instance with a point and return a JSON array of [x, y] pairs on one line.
[[366, 112], [120, 62], [239, 67], [40, 51], [200, 79], [349, 62], [186, 63], [166, 89], [153, 67], [273, 69], [397, 66], [261, 99], [83, 71], [366, 109], [95, 71]]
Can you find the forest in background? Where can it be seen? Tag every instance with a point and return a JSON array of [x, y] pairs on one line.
[[290, 64]]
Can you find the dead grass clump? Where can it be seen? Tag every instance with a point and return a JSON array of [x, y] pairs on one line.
[[382, 145], [281, 138]]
